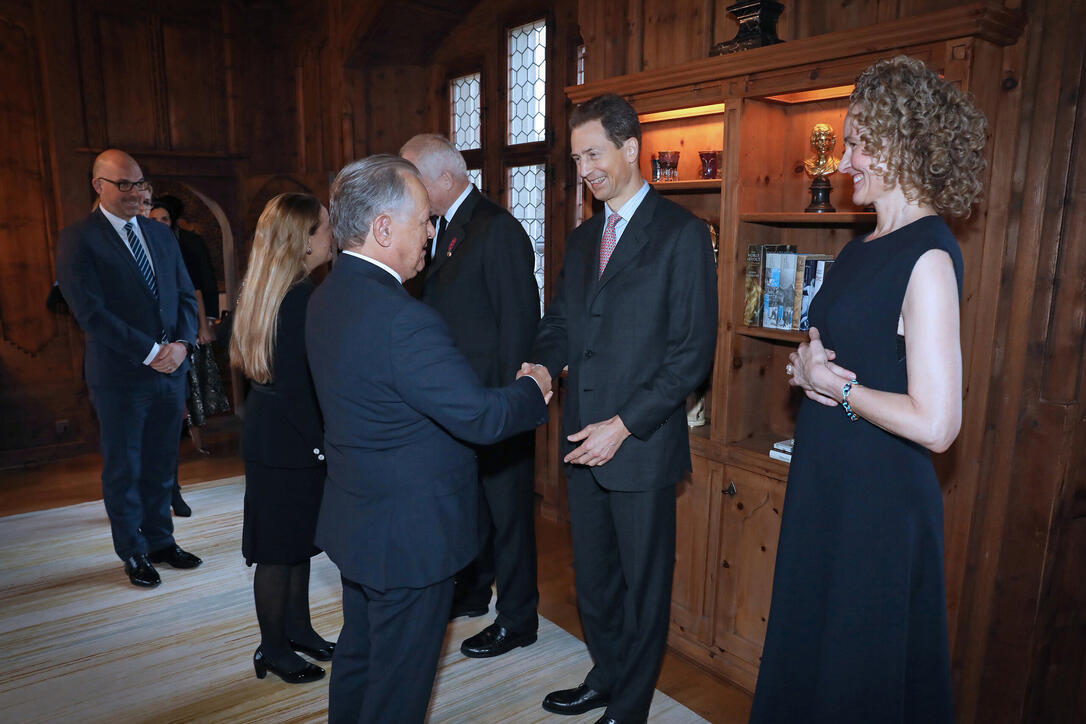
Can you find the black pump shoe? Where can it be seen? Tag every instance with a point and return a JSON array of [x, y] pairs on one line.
[[324, 653], [308, 672], [180, 508]]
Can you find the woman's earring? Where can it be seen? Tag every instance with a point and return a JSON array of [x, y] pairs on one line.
[[308, 250]]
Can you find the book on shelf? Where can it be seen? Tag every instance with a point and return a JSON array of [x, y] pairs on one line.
[[806, 270], [780, 455], [777, 285], [820, 267], [784, 445], [752, 299]]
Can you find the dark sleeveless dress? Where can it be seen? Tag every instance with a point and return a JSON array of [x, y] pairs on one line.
[[857, 628]]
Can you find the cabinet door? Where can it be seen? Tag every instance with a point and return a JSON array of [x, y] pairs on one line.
[[693, 550], [750, 521]]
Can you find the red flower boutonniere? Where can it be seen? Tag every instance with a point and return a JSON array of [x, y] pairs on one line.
[[452, 245]]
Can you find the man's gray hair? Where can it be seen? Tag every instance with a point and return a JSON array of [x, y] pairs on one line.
[[362, 191], [436, 154]]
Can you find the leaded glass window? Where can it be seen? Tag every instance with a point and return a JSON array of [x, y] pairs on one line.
[[465, 94], [527, 190], [528, 83]]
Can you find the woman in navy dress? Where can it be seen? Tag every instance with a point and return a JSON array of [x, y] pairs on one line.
[[283, 435], [857, 628]]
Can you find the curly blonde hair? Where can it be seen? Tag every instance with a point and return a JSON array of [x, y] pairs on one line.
[[925, 132]]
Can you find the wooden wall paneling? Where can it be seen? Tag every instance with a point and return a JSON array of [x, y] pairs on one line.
[[1011, 512], [984, 244], [26, 203], [1047, 411], [674, 31], [398, 105], [194, 84], [606, 29], [128, 79]]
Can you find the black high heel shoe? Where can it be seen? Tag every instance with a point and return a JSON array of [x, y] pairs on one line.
[[180, 508], [324, 653], [308, 672]]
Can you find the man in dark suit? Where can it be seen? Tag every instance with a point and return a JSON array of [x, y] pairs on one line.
[[634, 316], [398, 515], [127, 287], [481, 281]]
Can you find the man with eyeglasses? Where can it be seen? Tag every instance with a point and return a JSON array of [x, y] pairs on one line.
[[128, 289]]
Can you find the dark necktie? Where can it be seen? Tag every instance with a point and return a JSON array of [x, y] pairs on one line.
[[441, 248], [141, 259]]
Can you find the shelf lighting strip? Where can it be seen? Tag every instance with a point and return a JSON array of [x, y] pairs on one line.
[[691, 112]]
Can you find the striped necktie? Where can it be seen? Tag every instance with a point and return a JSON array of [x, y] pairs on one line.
[[141, 259]]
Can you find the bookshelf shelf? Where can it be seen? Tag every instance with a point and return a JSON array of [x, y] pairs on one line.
[[789, 218], [779, 335], [669, 187]]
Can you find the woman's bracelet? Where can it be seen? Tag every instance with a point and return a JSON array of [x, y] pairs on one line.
[[844, 399]]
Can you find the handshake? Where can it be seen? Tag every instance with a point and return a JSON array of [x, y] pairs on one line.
[[541, 376]]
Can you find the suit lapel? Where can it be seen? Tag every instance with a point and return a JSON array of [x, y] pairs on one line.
[[634, 238], [456, 230], [119, 248], [594, 229]]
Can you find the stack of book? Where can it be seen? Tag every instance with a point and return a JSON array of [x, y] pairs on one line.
[[781, 284], [782, 450]]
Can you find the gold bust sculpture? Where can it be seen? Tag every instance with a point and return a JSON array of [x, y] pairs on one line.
[[823, 140]]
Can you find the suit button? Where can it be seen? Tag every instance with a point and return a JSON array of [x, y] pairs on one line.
[[316, 451], [588, 353], [320, 457]]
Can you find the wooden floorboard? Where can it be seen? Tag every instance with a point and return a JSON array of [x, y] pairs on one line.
[[65, 482]]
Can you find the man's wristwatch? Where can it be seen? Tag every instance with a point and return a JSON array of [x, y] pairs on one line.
[[186, 344]]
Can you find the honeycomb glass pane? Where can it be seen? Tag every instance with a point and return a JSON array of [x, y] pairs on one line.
[[464, 104], [527, 83], [527, 194], [475, 175]]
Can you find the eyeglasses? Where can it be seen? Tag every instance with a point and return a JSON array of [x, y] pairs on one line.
[[124, 186]]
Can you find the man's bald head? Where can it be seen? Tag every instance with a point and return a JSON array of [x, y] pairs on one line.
[[441, 167], [110, 168]]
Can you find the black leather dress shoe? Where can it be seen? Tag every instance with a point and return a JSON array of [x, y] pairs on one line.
[[308, 672], [141, 572], [324, 653], [575, 701], [495, 640], [471, 610], [607, 720], [174, 556]]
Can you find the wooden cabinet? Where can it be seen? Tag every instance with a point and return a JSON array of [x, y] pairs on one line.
[[758, 108]]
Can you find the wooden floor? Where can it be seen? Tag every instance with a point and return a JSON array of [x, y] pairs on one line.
[[76, 480]]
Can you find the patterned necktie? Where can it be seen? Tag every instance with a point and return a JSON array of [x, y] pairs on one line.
[[609, 241], [141, 259]]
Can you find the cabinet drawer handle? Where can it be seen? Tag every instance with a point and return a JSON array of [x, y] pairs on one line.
[[731, 489]]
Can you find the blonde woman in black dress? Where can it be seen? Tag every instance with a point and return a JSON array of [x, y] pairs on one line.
[[857, 628], [283, 435]]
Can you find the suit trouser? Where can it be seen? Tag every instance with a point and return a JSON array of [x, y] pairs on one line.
[[623, 559], [507, 531], [140, 428], [386, 656]]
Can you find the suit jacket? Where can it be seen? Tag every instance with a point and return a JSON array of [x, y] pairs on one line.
[[120, 317], [400, 501], [638, 340], [486, 289], [283, 425]]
